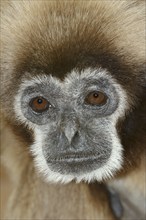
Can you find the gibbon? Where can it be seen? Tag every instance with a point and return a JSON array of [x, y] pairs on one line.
[[73, 109]]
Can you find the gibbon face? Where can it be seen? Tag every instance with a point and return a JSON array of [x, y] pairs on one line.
[[74, 123], [69, 84]]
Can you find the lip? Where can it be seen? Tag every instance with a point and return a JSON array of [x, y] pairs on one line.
[[76, 163], [70, 158]]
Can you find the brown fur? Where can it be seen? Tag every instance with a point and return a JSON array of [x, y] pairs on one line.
[[78, 34]]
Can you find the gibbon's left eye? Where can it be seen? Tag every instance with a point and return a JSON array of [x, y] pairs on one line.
[[96, 98], [39, 104]]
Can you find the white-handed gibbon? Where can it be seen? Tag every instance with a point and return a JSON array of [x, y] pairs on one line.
[[73, 109]]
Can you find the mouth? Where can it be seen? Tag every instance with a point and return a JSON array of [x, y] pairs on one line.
[[74, 157], [76, 164]]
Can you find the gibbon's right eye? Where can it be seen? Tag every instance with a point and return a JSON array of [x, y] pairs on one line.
[[39, 104]]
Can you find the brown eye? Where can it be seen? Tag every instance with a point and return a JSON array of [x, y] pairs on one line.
[[39, 104], [96, 98]]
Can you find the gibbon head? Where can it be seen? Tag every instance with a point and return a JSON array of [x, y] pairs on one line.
[[70, 83]]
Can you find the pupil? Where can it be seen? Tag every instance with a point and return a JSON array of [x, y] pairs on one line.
[[40, 101], [95, 95]]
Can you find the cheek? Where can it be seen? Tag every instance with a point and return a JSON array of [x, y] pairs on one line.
[[98, 131]]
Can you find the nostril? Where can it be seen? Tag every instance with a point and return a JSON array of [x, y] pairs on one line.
[[76, 134], [75, 138]]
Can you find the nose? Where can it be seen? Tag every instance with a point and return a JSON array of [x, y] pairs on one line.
[[69, 124], [70, 132]]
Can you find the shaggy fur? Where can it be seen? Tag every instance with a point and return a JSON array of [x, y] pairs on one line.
[[43, 37]]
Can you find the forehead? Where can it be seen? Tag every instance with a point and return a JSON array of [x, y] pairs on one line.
[[74, 78]]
